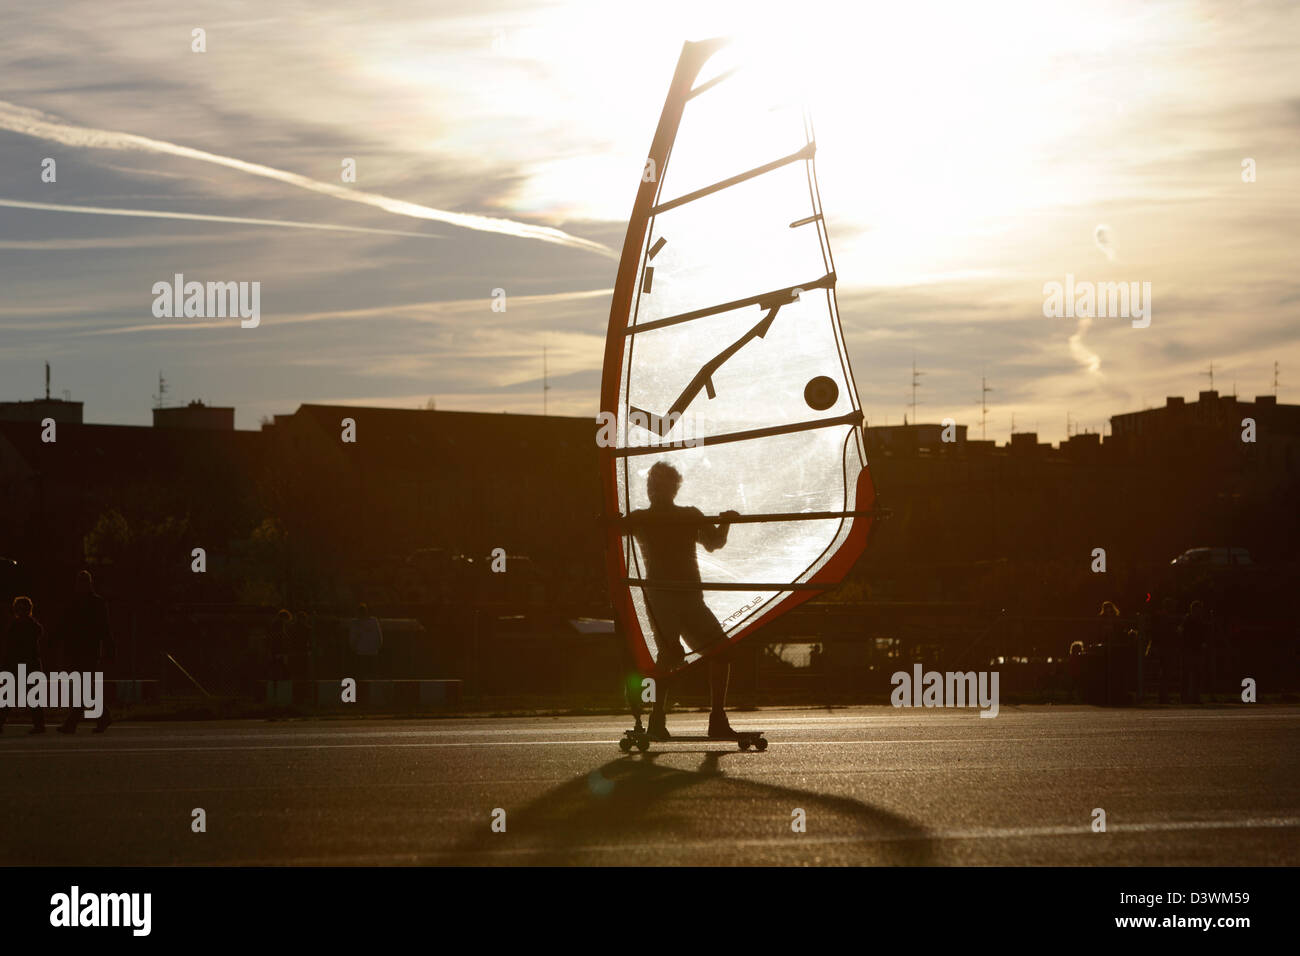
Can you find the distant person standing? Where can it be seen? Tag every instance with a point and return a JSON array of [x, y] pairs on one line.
[[1074, 670], [1165, 647], [279, 645], [1195, 633], [302, 649], [1111, 633], [87, 643], [365, 638], [22, 645]]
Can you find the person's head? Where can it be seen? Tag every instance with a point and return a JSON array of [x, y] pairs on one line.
[[662, 483], [284, 617], [1108, 609], [22, 607], [85, 584], [1076, 649]]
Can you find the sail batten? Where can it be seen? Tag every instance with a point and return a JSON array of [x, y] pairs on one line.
[[850, 418], [763, 498], [763, 300], [804, 152]]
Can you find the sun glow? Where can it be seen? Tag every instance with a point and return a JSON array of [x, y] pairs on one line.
[[938, 125]]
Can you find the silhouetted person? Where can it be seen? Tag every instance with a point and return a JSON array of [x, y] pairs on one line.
[[365, 638], [1111, 633], [669, 534], [23, 641], [1195, 633], [279, 645], [1165, 649], [302, 650], [1074, 670], [87, 643]]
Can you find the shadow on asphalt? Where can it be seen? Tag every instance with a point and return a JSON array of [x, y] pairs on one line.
[[620, 811]]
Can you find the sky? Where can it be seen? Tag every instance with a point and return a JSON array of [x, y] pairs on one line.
[[968, 154]]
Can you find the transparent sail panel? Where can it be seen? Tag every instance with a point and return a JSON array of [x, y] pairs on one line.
[[767, 380], [732, 244], [749, 119]]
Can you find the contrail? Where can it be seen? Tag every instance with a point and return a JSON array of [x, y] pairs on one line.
[[29, 122], [201, 217], [1085, 356]]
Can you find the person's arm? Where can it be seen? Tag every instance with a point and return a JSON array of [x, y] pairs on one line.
[[714, 536]]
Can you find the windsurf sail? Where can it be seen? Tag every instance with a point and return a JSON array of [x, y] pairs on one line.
[[734, 471]]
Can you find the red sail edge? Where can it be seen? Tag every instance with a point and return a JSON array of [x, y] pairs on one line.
[[694, 56]]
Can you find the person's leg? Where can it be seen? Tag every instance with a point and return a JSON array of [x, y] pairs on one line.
[[69, 725], [719, 676], [670, 655], [104, 719], [665, 618], [703, 635], [38, 720], [657, 726]]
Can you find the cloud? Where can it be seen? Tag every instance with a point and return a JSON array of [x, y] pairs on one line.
[[202, 217], [1085, 356], [29, 122], [1101, 235]]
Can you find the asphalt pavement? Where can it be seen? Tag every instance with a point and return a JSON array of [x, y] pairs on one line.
[[870, 785]]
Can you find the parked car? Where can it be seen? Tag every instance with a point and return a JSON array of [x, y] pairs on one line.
[[1213, 558]]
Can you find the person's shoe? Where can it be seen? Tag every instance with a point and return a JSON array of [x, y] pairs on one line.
[[720, 728], [66, 728], [658, 729]]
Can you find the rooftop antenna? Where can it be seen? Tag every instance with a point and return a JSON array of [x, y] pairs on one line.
[[162, 391], [984, 406], [1067, 423], [1275, 371], [47, 380], [915, 382], [546, 381], [1211, 374]]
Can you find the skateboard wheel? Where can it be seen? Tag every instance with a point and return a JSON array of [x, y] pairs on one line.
[[743, 743], [760, 744], [643, 744], [625, 745]]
